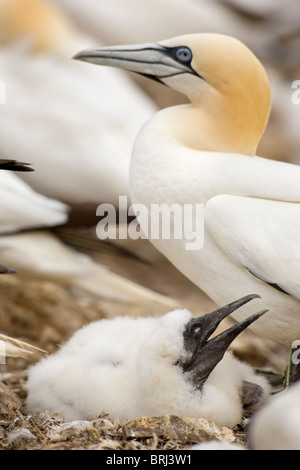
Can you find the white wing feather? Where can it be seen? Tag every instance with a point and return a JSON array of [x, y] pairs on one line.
[[261, 235]]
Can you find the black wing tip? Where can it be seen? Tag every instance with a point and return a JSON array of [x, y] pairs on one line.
[[14, 165], [7, 270]]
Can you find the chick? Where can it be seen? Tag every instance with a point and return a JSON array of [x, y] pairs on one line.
[[148, 367]]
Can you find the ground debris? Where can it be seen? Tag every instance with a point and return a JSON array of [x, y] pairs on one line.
[[183, 430], [9, 402]]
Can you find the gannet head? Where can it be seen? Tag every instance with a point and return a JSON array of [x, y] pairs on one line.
[[218, 73]]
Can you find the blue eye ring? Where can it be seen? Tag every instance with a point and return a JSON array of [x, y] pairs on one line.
[[183, 54]]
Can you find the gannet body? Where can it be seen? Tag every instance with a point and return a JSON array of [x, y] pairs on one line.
[[147, 367], [276, 425], [205, 153], [78, 140]]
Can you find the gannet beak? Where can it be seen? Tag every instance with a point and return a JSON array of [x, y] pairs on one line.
[[205, 353], [154, 61], [6, 270]]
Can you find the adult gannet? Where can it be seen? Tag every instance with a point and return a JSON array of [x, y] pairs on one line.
[[148, 367], [205, 153]]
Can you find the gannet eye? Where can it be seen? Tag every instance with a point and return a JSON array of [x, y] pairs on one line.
[[183, 55]]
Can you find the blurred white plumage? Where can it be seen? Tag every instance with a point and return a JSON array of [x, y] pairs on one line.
[[217, 445], [22, 208], [206, 152], [70, 121], [78, 140], [132, 21], [41, 255]]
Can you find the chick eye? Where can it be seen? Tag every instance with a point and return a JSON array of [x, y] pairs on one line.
[[197, 333], [183, 55]]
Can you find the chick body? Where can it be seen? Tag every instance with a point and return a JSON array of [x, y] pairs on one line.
[[131, 368]]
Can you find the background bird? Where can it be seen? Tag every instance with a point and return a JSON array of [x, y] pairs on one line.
[[14, 165], [39, 254], [204, 153], [46, 313], [50, 100], [22, 208], [78, 140], [149, 367], [276, 425]]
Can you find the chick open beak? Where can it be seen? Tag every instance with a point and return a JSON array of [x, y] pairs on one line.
[[205, 353]]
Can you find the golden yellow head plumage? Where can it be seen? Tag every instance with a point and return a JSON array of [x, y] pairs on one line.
[[234, 87]]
